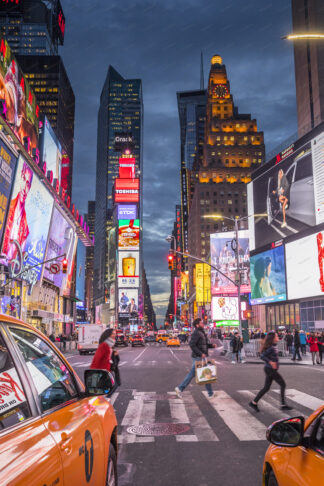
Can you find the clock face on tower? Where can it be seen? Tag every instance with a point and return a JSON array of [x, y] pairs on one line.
[[220, 90]]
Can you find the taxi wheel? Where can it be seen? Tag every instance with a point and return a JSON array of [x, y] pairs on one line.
[[272, 479], [111, 479]]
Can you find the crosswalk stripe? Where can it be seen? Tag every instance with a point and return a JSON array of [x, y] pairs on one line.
[[303, 399], [238, 419], [266, 406], [133, 413], [178, 412], [186, 438], [114, 398], [199, 424]]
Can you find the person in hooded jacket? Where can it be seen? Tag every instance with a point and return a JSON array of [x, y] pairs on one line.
[[313, 347], [102, 359], [269, 354]]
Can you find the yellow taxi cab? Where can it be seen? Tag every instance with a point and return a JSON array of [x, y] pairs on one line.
[[296, 454], [161, 338], [173, 341], [53, 429]]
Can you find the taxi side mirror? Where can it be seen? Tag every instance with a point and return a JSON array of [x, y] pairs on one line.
[[99, 382], [287, 432]]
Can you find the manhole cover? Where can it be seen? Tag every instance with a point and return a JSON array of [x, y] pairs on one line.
[[158, 429], [155, 397]]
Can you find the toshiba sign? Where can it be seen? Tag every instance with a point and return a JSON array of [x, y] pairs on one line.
[[126, 190]]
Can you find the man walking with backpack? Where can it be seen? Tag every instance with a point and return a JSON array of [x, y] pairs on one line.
[[199, 344]]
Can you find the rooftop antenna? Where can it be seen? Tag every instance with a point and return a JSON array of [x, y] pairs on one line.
[[202, 82]]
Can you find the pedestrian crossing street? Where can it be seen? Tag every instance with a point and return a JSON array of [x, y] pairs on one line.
[[228, 416]]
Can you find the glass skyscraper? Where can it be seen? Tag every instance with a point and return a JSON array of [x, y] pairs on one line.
[[120, 113]]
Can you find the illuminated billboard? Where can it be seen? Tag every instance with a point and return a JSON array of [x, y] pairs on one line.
[[223, 256], [51, 150], [7, 171], [305, 266], [288, 195], [127, 211], [21, 111], [202, 283], [128, 268], [80, 271], [225, 308], [61, 240], [268, 278], [127, 190], [29, 217], [128, 234], [127, 167], [112, 254], [128, 301]]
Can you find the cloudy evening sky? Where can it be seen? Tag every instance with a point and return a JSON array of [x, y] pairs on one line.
[[160, 41]]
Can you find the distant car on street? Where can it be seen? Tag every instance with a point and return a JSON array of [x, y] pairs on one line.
[[121, 339], [137, 340], [149, 339], [296, 454], [173, 341]]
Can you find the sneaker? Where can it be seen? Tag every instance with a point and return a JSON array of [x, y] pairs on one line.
[[178, 392], [254, 406], [286, 407], [284, 225], [243, 361], [213, 395], [233, 362]]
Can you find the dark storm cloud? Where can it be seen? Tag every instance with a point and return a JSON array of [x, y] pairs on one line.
[[160, 42]]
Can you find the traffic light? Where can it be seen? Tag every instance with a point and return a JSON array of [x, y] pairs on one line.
[[171, 262], [64, 265]]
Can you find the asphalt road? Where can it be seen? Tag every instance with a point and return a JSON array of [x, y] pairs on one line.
[[218, 442]]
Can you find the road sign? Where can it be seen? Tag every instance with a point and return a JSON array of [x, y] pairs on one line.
[[55, 268]]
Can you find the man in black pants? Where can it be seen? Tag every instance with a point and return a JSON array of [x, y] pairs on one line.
[[269, 355]]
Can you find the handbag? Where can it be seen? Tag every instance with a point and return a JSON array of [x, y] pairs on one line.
[[205, 371]]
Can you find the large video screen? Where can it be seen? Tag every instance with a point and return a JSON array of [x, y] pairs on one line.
[[128, 234], [21, 106], [223, 257], [29, 217], [51, 150], [60, 241], [305, 266], [289, 196], [268, 278], [128, 301], [80, 271], [128, 268], [7, 172]]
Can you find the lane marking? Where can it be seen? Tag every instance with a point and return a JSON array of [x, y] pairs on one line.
[[122, 363], [186, 438], [135, 359], [303, 399], [244, 425], [113, 398], [176, 357]]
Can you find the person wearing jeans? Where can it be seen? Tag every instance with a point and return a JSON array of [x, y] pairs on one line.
[[269, 355], [199, 345]]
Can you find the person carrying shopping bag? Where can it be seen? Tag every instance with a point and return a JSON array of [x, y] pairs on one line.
[[199, 345]]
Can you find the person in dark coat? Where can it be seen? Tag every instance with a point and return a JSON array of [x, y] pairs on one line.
[[269, 354], [320, 344], [296, 347], [237, 345], [199, 345], [289, 341]]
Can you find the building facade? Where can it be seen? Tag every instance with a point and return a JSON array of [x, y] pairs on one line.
[[308, 17], [90, 219], [33, 27], [120, 120]]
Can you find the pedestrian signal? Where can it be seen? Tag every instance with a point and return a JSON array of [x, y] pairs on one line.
[[64, 265]]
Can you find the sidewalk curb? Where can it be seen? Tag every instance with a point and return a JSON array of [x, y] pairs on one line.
[[280, 363]]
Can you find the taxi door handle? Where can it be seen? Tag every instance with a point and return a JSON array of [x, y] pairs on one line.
[[66, 441]]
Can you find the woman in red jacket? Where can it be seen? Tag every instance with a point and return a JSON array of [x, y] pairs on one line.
[[313, 347], [102, 360]]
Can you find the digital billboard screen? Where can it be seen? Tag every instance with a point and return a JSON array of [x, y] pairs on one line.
[[29, 217], [225, 308], [7, 171], [80, 271], [288, 197], [21, 107], [268, 277], [128, 301], [127, 190], [128, 234], [223, 256], [51, 150], [128, 268], [127, 211], [305, 266]]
